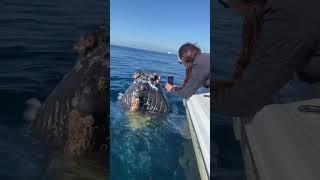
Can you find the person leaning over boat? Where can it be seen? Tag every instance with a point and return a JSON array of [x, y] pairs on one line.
[[197, 66], [281, 40]]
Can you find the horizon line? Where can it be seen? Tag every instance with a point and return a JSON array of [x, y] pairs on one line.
[[159, 51], [152, 50]]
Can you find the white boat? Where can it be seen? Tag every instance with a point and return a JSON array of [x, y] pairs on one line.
[[198, 115], [281, 142]]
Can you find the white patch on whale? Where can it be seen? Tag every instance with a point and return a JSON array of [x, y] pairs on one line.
[[78, 66], [49, 122], [74, 100], [55, 127], [119, 96], [153, 86], [150, 84], [32, 111]]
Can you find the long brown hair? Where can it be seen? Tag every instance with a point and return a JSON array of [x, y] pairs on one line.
[[251, 28], [187, 53]]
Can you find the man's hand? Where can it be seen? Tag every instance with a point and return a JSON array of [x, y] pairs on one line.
[[169, 87]]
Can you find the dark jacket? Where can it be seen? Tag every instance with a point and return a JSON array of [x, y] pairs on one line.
[[287, 45], [200, 76]]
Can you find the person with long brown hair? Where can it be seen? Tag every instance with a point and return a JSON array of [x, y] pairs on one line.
[[197, 71], [280, 41]]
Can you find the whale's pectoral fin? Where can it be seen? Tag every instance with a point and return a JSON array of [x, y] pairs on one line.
[[135, 103]]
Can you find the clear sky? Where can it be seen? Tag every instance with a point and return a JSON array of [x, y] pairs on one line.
[[160, 25]]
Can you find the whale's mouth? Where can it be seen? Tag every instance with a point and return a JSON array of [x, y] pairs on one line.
[[135, 104]]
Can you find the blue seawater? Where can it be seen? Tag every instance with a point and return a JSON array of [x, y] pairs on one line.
[[226, 39], [144, 148], [36, 50]]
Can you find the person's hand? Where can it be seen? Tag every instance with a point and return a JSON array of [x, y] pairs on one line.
[[169, 87]]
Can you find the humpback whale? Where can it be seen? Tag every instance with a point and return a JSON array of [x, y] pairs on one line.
[[72, 118], [145, 95]]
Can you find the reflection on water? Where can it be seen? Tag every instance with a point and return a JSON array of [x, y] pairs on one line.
[[137, 121]]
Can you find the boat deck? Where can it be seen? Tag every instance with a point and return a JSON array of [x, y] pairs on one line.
[[198, 115], [281, 142]]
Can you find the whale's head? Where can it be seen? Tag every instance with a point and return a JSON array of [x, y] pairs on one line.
[[91, 43], [145, 94], [144, 82], [72, 113]]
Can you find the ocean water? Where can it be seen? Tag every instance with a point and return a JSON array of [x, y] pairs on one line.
[[36, 50], [143, 148], [226, 38]]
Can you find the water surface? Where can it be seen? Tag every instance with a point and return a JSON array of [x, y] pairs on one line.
[[144, 147], [225, 46], [36, 42]]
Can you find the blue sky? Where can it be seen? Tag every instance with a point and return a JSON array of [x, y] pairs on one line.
[[160, 25]]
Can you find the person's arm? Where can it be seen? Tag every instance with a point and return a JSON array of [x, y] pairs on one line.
[[263, 77], [272, 65], [196, 80]]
